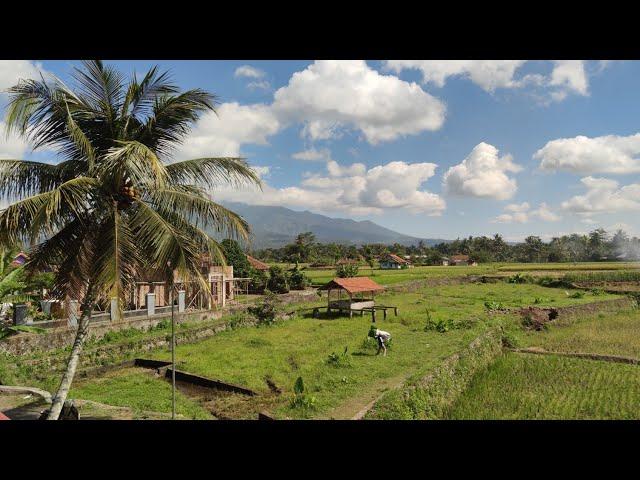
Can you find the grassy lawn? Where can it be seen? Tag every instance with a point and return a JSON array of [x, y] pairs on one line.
[[607, 334], [526, 386], [390, 277], [139, 390], [301, 346]]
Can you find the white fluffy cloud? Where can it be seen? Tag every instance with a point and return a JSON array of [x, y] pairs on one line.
[[585, 155], [566, 76], [354, 189], [247, 71], [488, 74], [313, 155], [570, 75], [483, 173], [224, 133], [13, 70], [522, 213], [13, 147], [604, 195], [329, 96]]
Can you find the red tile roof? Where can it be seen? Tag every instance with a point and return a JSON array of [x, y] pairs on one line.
[[257, 264], [460, 258], [353, 285], [396, 258]]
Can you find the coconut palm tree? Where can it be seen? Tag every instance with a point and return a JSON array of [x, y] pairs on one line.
[[115, 204]]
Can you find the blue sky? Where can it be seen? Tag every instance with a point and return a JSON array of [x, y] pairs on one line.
[[428, 148]]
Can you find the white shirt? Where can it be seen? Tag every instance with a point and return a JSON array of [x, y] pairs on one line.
[[382, 334]]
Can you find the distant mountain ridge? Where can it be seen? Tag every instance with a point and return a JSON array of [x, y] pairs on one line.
[[274, 227]]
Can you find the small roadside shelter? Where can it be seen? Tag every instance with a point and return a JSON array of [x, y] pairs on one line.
[[349, 294]]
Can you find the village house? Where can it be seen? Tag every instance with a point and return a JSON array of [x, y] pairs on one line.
[[391, 261], [20, 259], [444, 262], [257, 264], [462, 260]]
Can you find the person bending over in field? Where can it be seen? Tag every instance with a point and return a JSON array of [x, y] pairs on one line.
[[382, 337]]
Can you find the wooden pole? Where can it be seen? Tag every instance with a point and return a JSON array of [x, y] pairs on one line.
[[173, 357]]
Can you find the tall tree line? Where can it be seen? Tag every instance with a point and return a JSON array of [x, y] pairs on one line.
[[597, 245]]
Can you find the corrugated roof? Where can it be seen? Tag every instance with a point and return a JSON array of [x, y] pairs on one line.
[[257, 264], [353, 285], [459, 257]]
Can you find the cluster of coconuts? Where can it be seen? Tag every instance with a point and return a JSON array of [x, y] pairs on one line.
[[128, 193]]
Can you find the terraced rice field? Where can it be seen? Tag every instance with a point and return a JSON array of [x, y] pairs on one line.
[[536, 387]]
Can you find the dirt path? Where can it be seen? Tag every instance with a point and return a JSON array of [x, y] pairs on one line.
[[359, 405]]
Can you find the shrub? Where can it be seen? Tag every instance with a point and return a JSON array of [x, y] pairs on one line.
[[298, 280], [519, 278], [259, 280], [278, 282], [491, 305], [266, 310], [339, 359], [597, 292], [576, 294], [347, 270], [300, 399], [440, 325]]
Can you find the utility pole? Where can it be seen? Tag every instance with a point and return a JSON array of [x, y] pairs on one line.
[[173, 356]]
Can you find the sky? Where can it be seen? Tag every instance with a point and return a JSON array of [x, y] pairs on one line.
[[433, 149]]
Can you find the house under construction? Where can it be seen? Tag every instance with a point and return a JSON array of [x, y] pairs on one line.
[[223, 288]]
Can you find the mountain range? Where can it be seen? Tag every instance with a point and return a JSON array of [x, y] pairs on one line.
[[274, 227]]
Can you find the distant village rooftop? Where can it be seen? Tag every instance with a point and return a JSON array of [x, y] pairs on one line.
[[257, 264]]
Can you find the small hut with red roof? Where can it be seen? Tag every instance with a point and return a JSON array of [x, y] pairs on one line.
[[349, 294]]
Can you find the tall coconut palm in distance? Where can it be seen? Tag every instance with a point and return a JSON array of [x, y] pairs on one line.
[[115, 204]]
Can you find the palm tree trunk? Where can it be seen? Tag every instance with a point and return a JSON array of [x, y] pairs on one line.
[[67, 378]]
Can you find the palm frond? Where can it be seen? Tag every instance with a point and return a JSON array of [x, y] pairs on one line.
[[42, 213], [193, 205], [173, 117], [134, 161], [117, 262], [213, 172]]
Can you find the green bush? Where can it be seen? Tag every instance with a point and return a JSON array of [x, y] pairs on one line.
[[519, 278], [300, 399], [266, 310], [298, 280], [339, 360], [278, 282], [259, 280], [576, 294], [347, 270], [491, 305]]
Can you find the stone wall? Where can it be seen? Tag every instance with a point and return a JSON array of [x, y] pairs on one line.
[[63, 336]]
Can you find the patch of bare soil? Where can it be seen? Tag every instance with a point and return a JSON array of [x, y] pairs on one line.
[[90, 410], [536, 318], [228, 405], [13, 400]]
